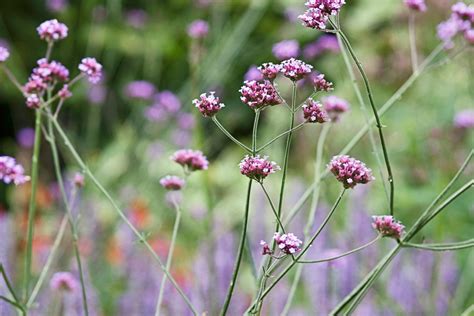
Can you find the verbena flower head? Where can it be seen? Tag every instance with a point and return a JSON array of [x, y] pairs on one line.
[[314, 18], [11, 171], [321, 84], [286, 49], [295, 69], [258, 94], [387, 226], [140, 89], [4, 54], [350, 171], [257, 168], [459, 23], [327, 6], [416, 5], [33, 101], [208, 104], [335, 106], [168, 100], [65, 93], [265, 248], [269, 70], [288, 243], [64, 281], [79, 180], [198, 29], [92, 69], [464, 119], [172, 183], [191, 160], [46, 74], [52, 30], [314, 112]]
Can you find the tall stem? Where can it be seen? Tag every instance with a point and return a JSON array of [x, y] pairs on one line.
[[57, 168], [239, 253], [312, 212], [412, 35], [376, 115], [32, 206], [117, 209], [170, 257]]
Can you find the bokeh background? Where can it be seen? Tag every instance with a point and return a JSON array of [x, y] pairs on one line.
[[127, 142]]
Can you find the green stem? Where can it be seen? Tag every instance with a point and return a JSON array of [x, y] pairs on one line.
[[312, 212], [255, 131], [273, 208], [8, 284], [13, 303], [140, 236], [280, 136], [170, 257], [32, 206], [229, 135], [239, 253], [49, 262], [443, 246], [412, 35], [376, 116], [57, 168]]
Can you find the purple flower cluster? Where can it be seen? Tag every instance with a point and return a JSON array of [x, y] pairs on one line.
[[92, 69], [321, 84], [325, 43], [11, 171], [269, 70], [52, 30], [314, 112], [387, 226], [464, 119], [259, 94], [257, 168], [460, 22], [416, 5], [286, 49], [208, 105], [287, 243], [172, 183], [335, 106], [33, 101], [4, 54], [46, 74], [141, 89], [318, 12], [295, 69], [191, 160], [198, 29], [64, 281], [65, 93], [350, 171]]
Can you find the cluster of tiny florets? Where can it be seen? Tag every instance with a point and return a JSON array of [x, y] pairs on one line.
[[350, 171], [198, 29], [295, 69], [64, 281], [258, 94], [4, 54], [314, 112], [464, 119], [191, 160], [11, 171], [208, 105], [65, 93], [269, 70], [318, 12], [172, 183], [287, 243], [92, 69], [46, 74], [416, 5], [335, 106], [461, 21], [257, 168], [33, 101], [387, 226], [321, 84], [52, 30]]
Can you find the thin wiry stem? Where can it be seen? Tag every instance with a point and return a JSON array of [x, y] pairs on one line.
[[312, 211], [412, 35], [107, 195], [57, 167], [32, 206], [49, 262], [273, 208], [229, 135], [12, 78], [443, 246], [13, 303], [374, 110], [280, 136], [170, 257], [7, 282]]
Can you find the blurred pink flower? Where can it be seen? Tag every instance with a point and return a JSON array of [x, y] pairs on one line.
[[286, 49]]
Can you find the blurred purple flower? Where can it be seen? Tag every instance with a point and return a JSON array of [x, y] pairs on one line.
[[198, 29], [464, 119], [56, 6], [253, 74], [155, 113], [136, 18], [186, 120], [168, 100], [325, 43], [140, 89], [97, 94], [26, 137], [286, 49]]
